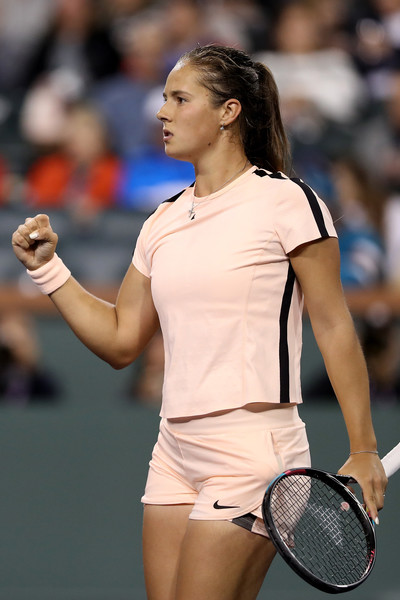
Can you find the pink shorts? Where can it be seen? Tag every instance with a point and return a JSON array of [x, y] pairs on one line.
[[223, 464]]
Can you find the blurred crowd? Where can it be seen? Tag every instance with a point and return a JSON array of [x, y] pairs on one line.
[[24, 380], [82, 80]]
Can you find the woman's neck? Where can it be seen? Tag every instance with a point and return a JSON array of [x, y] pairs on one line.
[[212, 178]]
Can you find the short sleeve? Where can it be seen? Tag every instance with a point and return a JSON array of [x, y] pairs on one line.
[[148, 239], [139, 259], [301, 216]]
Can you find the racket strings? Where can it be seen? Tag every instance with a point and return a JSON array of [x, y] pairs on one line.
[[321, 529]]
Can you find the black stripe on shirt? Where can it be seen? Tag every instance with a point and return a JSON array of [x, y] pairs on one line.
[[277, 175], [283, 336], [274, 175], [173, 198], [260, 172], [310, 195], [314, 205]]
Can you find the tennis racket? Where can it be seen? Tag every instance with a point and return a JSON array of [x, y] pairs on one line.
[[320, 528]]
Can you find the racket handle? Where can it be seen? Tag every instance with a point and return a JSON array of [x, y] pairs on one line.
[[391, 462]]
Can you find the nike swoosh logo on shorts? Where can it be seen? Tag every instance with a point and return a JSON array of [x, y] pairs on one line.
[[219, 506]]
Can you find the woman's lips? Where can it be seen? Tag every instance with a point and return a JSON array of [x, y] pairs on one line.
[[167, 135]]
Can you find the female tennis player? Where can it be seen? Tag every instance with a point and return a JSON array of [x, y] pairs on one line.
[[223, 268]]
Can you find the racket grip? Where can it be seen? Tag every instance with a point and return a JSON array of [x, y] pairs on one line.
[[345, 479], [391, 462]]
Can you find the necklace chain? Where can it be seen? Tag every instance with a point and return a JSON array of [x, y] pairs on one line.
[[192, 212]]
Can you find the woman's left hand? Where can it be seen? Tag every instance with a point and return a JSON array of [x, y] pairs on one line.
[[367, 470]]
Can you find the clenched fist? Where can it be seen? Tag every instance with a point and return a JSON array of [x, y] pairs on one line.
[[34, 242]]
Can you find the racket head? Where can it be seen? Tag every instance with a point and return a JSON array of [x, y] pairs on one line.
[[320, 529]]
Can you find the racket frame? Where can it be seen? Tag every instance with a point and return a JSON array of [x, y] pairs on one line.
[[338, 483]]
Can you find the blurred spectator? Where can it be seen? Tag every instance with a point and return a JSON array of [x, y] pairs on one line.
[[381, 345], [389, 14], [380, 340], [74, 53], [392, 240], [373, 51], [358, 211], [76, 41], [121, 98], [186, 26], [240, 23], [22, 23], [22, 378], [315, 80], [121, 14], [5, 182], [334, 18], [322, 94], [377, 143], [82, 174], [43, 114], [150, 177]]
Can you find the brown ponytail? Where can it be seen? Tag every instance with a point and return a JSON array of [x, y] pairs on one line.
[[230, 73]]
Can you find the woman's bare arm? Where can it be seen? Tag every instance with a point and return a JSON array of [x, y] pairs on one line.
[[116, 333], [317, 268]]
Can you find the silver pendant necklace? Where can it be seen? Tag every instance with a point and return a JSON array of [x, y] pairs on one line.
[[192, 210]]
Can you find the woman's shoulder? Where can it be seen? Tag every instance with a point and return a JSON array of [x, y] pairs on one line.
[[164, 207], [279, 181], [288, 193]]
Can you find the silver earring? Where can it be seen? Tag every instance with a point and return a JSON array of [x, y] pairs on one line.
[[222, 127]]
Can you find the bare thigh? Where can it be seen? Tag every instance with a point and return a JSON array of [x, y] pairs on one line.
[[192, 559], [164, 528]]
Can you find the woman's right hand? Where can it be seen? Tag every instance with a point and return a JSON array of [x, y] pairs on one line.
[[34, 242]]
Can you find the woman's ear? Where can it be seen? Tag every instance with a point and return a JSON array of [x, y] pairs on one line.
[[232, 109]]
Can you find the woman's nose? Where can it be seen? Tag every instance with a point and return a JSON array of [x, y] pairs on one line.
[[161, 116]]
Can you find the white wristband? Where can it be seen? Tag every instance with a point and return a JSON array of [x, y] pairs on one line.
[[51, 275]]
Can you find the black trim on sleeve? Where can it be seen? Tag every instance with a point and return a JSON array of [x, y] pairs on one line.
[[277, 175], [314, 205], [274, 175], [310, 195]]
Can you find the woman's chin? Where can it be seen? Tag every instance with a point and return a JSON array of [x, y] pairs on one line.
[[171, 153]]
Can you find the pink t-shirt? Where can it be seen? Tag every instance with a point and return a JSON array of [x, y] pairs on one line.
[[228, 301]]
